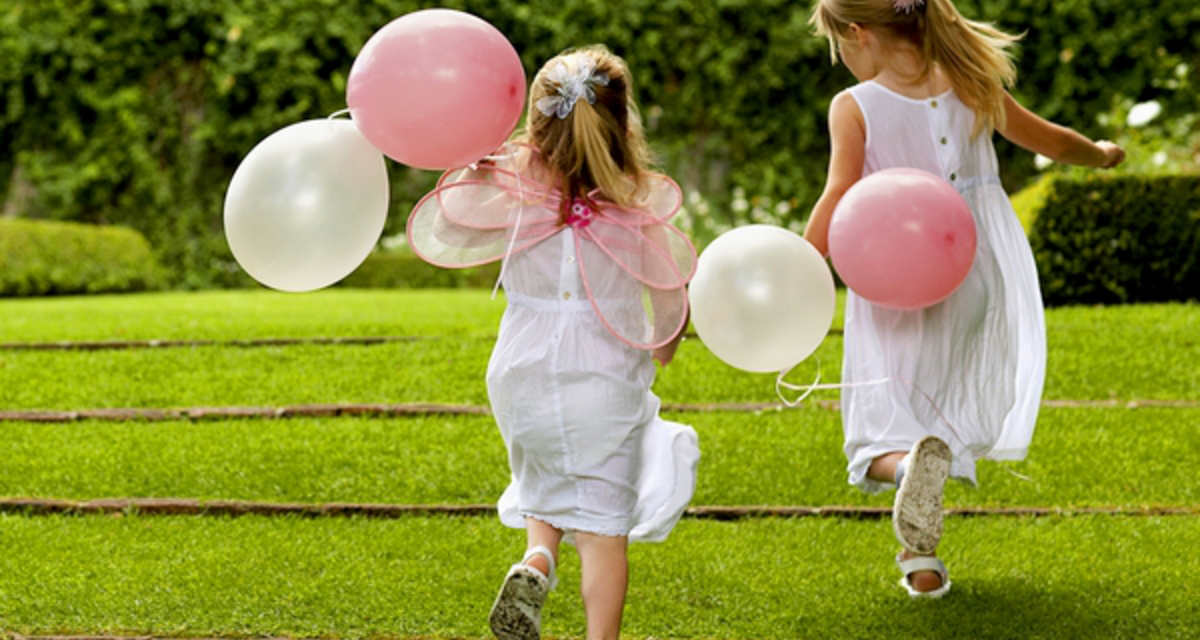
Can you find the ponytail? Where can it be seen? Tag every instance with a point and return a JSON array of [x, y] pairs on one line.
[[976, 58], [598, 155], [599, 144], [974, 55]]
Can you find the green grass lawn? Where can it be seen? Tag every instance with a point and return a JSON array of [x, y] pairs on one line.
[[246, 315], [773, 458], [1073, 577], [1124, 353], [1099, 576]]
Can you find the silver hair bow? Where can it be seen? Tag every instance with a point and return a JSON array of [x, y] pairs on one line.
[[906, 6], [572, 87]]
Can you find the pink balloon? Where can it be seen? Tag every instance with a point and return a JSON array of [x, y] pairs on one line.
[[436, 89], [902, 238]]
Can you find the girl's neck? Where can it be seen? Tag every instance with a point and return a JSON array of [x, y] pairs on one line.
[[902, 73]]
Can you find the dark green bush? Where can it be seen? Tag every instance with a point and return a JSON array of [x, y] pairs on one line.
[[1120, 239], [401, 269], [137, 112], [53, 258]]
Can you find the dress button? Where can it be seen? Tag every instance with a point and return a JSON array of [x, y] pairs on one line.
[[570, 259], [954, 176], [933, 104], [943, 141], [566, 295]]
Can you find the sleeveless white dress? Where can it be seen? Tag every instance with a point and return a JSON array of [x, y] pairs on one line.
[[970, 369]]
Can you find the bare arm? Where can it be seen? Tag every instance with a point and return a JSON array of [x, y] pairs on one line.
[[1059, 143], [666, 353], [848, 136]]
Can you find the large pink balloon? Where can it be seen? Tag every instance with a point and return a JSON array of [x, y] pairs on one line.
[[902, 238], [436, 89]]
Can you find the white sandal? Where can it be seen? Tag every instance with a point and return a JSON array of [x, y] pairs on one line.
[[923, 563], [917, 513], [517, 612]]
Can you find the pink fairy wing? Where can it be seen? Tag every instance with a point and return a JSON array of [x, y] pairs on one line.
[[635, 267], [656, 254], [468, 220], [642, 240], [664, 197], [640, 315]]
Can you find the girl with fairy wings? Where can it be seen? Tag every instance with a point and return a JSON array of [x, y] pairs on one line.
[[594, 276]]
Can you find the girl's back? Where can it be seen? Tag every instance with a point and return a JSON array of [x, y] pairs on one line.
[[932, 134]]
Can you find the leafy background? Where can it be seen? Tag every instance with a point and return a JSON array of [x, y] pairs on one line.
[[137, 112]]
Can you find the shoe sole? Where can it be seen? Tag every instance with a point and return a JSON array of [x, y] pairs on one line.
[[917, 514], [509, 619]]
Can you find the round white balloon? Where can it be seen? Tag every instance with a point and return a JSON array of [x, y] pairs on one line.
[[762, 298], [307, 205]]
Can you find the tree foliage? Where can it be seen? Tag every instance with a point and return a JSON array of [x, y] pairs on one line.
[[137, 112]]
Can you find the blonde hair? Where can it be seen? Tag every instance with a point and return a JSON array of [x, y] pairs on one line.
[[598, 145], [975, 56]]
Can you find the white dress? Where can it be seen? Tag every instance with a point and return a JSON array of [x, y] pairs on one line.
[[970, 369], [586, 446], [569, 378]]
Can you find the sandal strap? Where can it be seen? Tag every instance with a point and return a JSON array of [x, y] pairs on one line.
[[922, 563], [543, 551]]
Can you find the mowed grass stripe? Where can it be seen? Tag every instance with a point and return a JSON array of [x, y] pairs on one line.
[[1070, 577], [453, 372], [404, 410], [226, 508], [110, 345], [249, 315], [779, 458]]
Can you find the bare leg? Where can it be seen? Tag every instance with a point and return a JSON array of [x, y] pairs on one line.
[[517, 611], [540, 534], [883, 469], [604, 583]]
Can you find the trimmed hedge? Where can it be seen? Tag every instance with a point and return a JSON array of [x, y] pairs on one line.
[[52, 258], [401, 269], [1115, 240]]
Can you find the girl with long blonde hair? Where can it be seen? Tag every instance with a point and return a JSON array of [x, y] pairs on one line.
[[963, 377]]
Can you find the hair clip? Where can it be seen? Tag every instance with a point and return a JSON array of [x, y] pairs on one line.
[[907, 6], [572, 87]]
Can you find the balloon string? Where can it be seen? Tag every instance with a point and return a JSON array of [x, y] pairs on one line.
[[516, 225], [809, 389], [1019, 476]]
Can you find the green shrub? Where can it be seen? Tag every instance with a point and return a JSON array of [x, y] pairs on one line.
[[1028, 201], [401, 269], [53, 258], [1123, 239]]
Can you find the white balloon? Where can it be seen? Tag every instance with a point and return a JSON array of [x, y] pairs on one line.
[[762, 298], [307, 205]]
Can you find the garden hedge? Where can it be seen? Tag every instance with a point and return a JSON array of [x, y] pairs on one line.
[[1109, 240], [137, 112], [51, 258]]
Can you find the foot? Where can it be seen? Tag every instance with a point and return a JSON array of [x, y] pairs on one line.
[[922, 580], [917, 513], [914, 569], [517, 612]]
